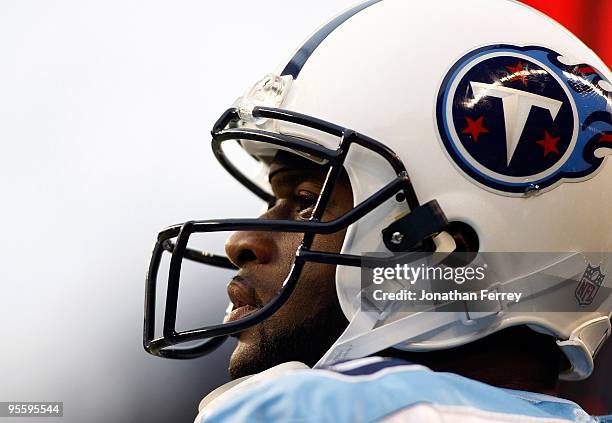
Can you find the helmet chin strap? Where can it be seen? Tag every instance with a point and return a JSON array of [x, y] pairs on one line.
[[362, 338]]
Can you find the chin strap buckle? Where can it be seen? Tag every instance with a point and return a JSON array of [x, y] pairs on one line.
[[411, 230]]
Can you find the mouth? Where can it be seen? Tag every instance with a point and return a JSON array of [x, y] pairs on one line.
[[243, 298], [238, 313]]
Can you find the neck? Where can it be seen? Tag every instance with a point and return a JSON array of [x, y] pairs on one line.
[[515, 358]]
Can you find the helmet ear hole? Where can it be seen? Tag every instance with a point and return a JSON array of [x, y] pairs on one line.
[[466, 244], [465, 237]]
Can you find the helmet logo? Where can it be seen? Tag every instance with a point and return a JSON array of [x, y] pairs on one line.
[[516, 107], [589, 284], [518, 118]]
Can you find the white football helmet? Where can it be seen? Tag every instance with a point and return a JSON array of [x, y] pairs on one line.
[[492, 122]]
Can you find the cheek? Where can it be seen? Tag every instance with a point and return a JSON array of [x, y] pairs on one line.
[[329, 243], [315, 292], [287, 245], [316, 288], [271, 275]]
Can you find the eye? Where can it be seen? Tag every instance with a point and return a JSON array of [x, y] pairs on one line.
[[305, 201]]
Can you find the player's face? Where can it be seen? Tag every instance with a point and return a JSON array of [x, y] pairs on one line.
[[308, 323]]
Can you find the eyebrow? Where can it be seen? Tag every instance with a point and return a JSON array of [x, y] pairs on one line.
[[302, 173], [289, 176], [285, 168]]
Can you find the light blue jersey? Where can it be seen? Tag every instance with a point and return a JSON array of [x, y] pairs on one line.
[[389, 390]]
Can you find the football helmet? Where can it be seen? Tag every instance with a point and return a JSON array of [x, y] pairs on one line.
[[479, 126]]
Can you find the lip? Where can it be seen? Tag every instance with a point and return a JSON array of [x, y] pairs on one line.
[[240, 313]]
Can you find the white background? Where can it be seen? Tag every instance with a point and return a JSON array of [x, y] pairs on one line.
[[105, 113]]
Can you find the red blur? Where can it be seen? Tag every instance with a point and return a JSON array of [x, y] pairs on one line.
[[590, 20]]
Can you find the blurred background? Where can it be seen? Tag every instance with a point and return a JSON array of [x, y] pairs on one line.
[[105, 113], [590, 21]]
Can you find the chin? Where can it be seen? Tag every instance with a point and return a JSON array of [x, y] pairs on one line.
[[244, 360]]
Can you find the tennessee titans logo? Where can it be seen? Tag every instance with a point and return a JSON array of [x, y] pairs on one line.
[[524, 119]]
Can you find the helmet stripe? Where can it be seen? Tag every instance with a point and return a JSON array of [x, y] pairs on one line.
[[296, 63]]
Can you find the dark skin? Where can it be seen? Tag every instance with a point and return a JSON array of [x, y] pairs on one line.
[[308, 324]]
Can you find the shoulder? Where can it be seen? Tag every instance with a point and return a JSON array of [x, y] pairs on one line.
[[370, 389]]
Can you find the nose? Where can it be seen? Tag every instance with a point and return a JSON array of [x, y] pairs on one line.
[[247, 247]]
